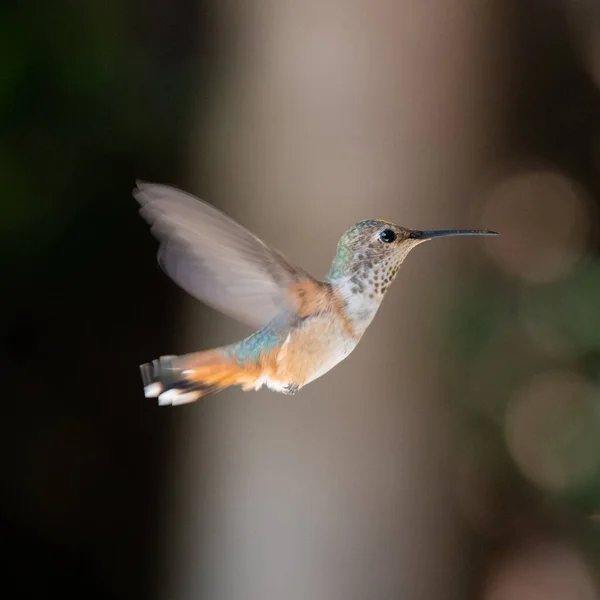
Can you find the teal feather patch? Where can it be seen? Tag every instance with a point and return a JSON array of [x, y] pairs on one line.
[[259, 343]]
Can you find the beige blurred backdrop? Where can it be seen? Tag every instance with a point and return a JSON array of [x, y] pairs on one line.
[[332, 112]]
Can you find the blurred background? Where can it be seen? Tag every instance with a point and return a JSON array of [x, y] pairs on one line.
[[456, 452]]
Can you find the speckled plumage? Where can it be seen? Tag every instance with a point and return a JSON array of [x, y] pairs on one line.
[[306, 326]]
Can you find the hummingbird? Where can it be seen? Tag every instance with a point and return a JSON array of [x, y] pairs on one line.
[[303, 326]]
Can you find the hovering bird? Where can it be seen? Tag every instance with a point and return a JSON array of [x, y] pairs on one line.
[[304, 327]]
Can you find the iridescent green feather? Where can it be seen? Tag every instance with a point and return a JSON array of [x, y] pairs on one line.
[[259, 343]]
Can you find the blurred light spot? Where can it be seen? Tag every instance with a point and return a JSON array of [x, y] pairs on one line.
[[552, 429], [543, 219], [549, 572]]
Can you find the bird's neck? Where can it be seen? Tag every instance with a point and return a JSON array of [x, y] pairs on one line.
[[361, 289]]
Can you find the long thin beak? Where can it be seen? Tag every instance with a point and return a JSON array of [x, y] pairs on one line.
[[427, 235]]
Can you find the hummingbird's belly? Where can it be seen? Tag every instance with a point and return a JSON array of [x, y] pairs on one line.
[[313, 349]]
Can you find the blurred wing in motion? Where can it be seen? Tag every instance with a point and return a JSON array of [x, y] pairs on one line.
[[214, 258]]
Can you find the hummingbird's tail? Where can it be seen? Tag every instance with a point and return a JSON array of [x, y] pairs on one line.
[[189, 377]]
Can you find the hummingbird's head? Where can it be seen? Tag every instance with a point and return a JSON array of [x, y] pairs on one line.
[[375, 249]]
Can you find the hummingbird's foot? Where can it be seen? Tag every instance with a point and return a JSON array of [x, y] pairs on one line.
[[290, 389]]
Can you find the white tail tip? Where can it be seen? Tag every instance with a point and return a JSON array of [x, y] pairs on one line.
[[153, 390], [175, 397]]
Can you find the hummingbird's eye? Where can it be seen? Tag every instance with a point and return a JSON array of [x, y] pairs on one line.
[[387, 236]]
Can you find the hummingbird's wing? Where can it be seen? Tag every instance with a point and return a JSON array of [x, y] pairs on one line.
[[214, 258]]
